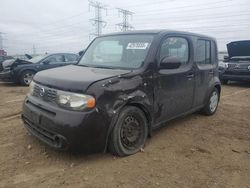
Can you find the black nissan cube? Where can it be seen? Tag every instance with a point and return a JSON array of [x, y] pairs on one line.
[[124, 86]]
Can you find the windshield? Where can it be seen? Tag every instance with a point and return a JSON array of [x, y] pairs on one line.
[[120, 51], [37, 58]]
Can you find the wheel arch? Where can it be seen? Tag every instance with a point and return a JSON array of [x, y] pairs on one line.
[[145, 111], [115, 118], [20, 72], [218, 87]]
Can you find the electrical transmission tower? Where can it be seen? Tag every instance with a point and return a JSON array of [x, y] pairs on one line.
[[97, 21], [125, 26]]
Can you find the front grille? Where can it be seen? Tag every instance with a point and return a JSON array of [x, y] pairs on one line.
[[238, 66], [231, 66], [45, 93]]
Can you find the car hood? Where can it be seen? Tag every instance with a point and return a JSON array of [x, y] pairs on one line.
[[15, 63], [8, 63], [239, 48], [75, 78]]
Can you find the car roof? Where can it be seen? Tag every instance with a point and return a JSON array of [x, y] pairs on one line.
[[59, 54], [159, 31]]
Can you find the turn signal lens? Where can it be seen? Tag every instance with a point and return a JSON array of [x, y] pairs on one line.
[[91, 103]]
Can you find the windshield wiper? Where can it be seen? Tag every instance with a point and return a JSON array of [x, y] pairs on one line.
[[82, 65], [103, 67]]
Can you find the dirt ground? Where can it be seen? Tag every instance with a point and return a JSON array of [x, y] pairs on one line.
[[194, 151]]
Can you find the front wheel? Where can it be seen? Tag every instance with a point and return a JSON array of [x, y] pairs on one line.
[[129, 133], [26, 77], [212, 104]]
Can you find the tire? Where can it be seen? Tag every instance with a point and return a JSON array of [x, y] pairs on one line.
[[212, 104], [224, 82], [26, 77], [129, 133]]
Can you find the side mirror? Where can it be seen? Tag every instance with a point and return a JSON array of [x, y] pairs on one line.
[[45, 62], [81, 53], [170, 63]]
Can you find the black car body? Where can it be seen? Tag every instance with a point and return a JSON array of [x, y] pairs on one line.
[[2, 59], [22, 71], [236, 67], [131, 83]]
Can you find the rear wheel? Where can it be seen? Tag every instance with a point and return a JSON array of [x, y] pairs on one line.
[[212, 103], [224, 82], [26, 77], [130, 132]]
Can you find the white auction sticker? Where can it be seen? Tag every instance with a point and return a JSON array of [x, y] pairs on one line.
[[137, 46]]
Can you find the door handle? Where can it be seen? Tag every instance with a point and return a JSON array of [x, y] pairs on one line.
[[190, 75], [211, 72]]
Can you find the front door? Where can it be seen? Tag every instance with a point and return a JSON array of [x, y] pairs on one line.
[[174, 88]]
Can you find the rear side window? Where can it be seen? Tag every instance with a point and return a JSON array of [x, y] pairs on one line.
[[203, 52], [70, 57], [55, 59], [175, 47]]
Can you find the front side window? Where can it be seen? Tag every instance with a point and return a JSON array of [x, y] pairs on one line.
[[70, 57], [120, 51], [175, 48], [203, 52]]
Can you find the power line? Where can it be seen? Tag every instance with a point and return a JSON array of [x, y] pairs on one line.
[[97, 21], [163, 2], [125, 16], [199, 9]]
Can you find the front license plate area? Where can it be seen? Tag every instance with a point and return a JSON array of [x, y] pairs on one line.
[[34, 117]]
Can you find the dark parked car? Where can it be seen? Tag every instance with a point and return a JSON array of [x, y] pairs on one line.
[[236, 66], [2, 59], [22, 71], [124, 86]]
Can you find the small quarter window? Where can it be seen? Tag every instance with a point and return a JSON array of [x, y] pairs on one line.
[[203, 52], [176, 48]]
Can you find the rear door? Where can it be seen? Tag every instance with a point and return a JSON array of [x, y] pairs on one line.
[[205, 58], [174, 88]]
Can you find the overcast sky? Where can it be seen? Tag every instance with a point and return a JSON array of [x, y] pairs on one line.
[[64, 26]]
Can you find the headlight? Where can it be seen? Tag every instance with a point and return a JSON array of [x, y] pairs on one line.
[[74, 101], [31, 86], [223, 65]]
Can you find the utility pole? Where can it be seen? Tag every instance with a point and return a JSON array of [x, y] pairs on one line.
[[34, 49], [125, 26], [1, 41], [97, 21]]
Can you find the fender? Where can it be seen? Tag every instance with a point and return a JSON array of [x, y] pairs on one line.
[[138, 101], [19, 70], [214, 84]]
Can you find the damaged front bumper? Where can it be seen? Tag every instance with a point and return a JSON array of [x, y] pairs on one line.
[[63, 129], [6, 76]]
